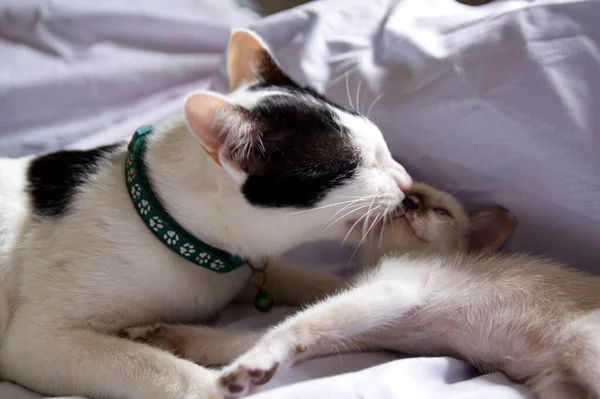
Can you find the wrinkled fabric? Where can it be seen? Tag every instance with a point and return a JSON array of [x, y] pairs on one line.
[[81, 73], [494, 103]]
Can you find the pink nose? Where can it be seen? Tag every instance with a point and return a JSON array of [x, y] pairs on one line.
[[404, 181], [405, 187], [402, 178]]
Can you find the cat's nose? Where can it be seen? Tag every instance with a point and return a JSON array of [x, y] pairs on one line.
[[412, 203], [405, 187], [402, 178]]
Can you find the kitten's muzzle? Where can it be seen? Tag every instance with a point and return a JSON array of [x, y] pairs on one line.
[[412, 203], [399, 212]]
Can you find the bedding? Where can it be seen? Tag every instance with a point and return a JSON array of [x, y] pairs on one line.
[[495, 103]]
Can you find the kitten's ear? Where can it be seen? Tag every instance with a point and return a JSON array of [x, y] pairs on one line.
[[490, 228], [248, 59], [222, 128]]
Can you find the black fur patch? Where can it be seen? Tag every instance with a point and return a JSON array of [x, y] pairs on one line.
[[53, 178], [307, 152]]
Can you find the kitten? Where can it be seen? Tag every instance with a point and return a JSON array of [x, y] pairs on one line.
[[78, 264], [533, 319]]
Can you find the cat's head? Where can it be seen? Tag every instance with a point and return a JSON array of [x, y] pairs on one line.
[[289, 149], [433, 219]]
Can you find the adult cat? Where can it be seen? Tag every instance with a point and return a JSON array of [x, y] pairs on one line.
[[78, 263]]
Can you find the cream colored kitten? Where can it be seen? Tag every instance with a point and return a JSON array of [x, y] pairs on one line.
[[533, 319]]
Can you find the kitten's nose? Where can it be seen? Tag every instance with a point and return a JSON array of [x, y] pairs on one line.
[[411, 203]]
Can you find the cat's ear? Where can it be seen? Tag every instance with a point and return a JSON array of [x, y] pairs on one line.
[[248, 60], [225, 132], [490, 228]]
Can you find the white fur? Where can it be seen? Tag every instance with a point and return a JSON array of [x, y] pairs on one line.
[[69, 284]]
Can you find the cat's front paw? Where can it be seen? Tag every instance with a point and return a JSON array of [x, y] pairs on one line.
[[240, 378], [162, 336]]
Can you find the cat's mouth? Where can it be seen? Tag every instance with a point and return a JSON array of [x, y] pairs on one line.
[[410, 220], [398, 213]]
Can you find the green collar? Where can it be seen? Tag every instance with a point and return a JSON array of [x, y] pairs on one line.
[[156, 218]]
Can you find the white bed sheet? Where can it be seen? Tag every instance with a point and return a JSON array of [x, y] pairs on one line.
[[79, 73], [495, 103]]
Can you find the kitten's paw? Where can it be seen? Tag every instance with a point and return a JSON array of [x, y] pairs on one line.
[[243, 375], [159, 335]]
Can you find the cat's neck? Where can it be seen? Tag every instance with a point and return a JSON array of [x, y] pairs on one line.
[[202, 197]]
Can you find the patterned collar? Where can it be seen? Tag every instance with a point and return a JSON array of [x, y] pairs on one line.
[[160, 223]]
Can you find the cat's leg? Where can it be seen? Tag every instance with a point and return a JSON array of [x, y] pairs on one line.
[[320, 328], [200, 344], [289, 285], [584, 351], [66, 361], [556, 385], [293, 286]]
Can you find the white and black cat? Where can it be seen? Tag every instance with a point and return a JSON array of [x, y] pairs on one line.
[[78, 263]]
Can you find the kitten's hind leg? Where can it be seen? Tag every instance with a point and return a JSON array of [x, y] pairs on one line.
[[583, 351], [200, 344], [557, 385], [321, 327]]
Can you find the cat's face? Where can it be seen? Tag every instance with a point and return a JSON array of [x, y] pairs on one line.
[[433, 219], [289, 149]]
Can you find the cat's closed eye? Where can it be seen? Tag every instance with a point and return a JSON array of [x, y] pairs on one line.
[[442, 211]]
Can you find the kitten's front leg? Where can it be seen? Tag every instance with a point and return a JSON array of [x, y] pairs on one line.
[[318, 329], [200, 344], [81, 362]]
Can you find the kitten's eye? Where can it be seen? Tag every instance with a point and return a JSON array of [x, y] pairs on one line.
[[442, 211]]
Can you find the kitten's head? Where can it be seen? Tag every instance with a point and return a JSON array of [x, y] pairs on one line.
[[433, 219], [288, 148]]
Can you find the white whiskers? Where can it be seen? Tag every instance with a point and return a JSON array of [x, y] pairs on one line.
[[354, 209], [373, 105], [348, 91], [321, 207], [357, 97], [358, 221], [376, 220]]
